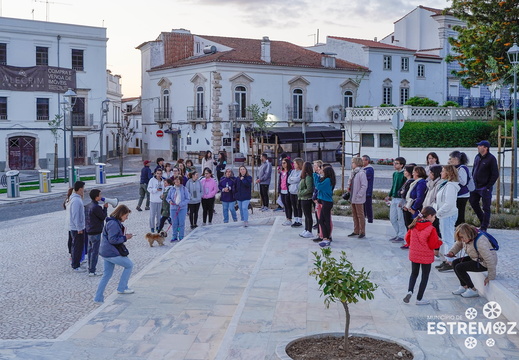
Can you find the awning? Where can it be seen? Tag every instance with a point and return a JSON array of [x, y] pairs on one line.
[[288, 135]]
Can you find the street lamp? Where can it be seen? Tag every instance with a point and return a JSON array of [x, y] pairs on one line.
[[68, 103], [104, 118], [513, 57]]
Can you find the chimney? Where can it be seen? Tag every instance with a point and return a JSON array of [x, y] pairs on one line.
[[265, 49], [328, 59], [375, 39]]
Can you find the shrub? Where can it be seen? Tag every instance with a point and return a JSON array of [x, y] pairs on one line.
[[380, 211], [446, 134], [421, 101], [387, 105], [451, 103]]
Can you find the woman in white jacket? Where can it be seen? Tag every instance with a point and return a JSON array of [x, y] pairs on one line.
[[446, 211]]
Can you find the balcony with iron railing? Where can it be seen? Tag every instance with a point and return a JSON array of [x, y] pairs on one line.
[[163, 115], [79, 119], [297, 115], [237, 114], [197, 113]]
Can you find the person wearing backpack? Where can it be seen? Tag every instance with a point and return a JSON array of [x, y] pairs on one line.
[[485, 173], [481, 256], [459, 160]]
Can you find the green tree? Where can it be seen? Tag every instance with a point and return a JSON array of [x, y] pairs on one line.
[[339, 281], [480, 47], [260, 116]]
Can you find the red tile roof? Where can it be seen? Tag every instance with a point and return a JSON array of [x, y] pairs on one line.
[[371, 43], [435, 11], [248, 51]]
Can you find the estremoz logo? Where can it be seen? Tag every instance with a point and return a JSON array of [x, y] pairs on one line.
[[491, 311]]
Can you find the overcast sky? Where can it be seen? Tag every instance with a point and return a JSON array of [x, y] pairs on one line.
[[131, 22]]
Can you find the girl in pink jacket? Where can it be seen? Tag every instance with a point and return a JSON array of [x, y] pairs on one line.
[[209, 190], [422, 239]]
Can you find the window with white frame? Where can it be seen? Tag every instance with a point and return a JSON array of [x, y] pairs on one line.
[[42, 109], [385, 140], [78, 60], [297, 104], [387, 92], [165, 104], [421, 70], [387, 62], [42, 55], [404, 91], [199, 102], [367, 140], [404, 64], [240, 98], [348, 99]]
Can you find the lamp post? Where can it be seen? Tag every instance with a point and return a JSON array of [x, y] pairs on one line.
[[513, 57], [235, 109], [104, 115], [68, 103]]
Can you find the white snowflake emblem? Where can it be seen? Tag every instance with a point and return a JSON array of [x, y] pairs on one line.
[[490, 342], [499, 328], [471, 313], [470, 342], [492, 310]]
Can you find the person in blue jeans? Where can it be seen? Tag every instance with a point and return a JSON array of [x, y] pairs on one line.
[[114, 233], [243, 193], [95, 216], [226, 186], [178, 198]]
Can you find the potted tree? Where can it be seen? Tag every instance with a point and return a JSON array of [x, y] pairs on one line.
[[340, 282]]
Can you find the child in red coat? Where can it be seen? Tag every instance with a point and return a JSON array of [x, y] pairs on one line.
[[422, 239]]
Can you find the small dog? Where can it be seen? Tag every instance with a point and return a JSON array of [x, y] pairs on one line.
[[159, 238]]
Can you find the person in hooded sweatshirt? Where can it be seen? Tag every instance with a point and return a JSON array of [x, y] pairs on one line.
[[114, 233], [178, 198], [447, 211], [422, 239], [227, 186]]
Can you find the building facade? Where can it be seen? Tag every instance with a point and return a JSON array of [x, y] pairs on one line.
[[39, 61], [196, 90]]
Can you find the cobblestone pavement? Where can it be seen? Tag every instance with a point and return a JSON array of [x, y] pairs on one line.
[[41, 297]]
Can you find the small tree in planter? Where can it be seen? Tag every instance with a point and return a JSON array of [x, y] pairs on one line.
[[339, 281]]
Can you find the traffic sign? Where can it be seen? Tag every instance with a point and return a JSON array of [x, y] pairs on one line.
[[398, 120], [160, 133]]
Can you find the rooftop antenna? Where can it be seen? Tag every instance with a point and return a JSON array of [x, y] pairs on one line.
[[47, 7]]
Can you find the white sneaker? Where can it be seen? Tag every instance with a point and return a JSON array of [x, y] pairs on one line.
[[79, 270], [308, 235], [127, 291], [460, 290], [287, 223], [470, 293], [97, 273], [302, 233], [422, 302]]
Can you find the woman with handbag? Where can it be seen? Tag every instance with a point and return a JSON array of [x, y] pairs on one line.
[[114, 252]]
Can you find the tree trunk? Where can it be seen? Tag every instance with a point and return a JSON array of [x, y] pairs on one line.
[[347, 327], [121, 150], [55, 160]]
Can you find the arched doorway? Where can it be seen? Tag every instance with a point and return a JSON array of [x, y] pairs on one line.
[[22, 153]]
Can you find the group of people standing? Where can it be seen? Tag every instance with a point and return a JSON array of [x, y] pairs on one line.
[[427, 211], [179, 190]]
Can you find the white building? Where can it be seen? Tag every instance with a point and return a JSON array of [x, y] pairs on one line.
[[132, 113], [39, 61], [396, 73], [193, 87]]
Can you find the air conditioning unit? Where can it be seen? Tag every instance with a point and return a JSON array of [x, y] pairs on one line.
[[336, 115]]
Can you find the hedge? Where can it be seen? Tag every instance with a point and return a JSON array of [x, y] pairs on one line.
[[448, 134]]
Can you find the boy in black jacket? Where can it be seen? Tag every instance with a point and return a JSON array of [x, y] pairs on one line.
[[94, 219]]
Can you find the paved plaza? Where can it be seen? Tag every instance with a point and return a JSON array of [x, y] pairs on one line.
[[225, 292]]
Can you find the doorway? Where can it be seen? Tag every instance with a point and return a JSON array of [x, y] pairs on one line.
[[22, 153]]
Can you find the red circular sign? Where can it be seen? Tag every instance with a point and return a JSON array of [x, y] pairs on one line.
[[160, 133]]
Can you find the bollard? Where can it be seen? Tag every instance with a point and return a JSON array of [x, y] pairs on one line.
[[44, 181], [13, 184], [72, 178], [100, 173]]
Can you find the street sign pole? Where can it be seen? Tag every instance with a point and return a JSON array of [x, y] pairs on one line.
[[398, 122]]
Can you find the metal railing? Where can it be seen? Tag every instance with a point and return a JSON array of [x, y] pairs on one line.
[[196, 113], [239, 115], [297, 115], [163, 114]]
